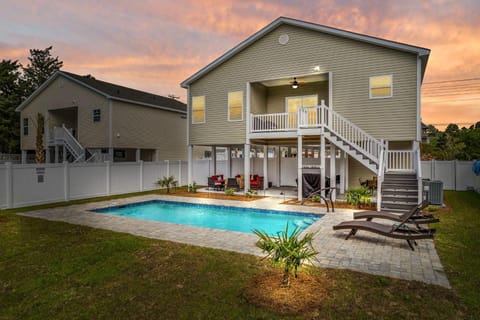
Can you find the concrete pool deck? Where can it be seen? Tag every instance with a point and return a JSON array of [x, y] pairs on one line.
[[365, 252]]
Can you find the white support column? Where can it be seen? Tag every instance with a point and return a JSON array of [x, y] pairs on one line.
[[66, 181], [279, 165], [9, 184], [137, 155], [24, 156], [140, 180], [333, 176], [110, 154], [157, 155], [322, 163], [300, 167], [56, 153], [214, 158], [190, 165], [229, 162], [265, 167], [179, 177], [246, 166], [47, 155], [64, 154], [342, 172], [107, 177], [346, 171]]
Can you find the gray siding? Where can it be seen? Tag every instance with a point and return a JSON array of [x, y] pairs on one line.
[[351, 63], [136, 126], [63, 93]]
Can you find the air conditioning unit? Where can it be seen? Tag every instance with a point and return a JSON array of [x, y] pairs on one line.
[[435, 192]]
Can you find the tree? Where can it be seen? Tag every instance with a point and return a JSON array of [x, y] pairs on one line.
[[39, 152], [41, 67], [10, 98]]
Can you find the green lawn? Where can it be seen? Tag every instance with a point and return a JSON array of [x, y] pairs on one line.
[[56, 270]]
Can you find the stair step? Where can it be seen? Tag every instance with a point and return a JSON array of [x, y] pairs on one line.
[[402, 199], [400, 206], [405, 192]]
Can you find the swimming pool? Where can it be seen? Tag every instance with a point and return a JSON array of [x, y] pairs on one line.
[[213, 216]]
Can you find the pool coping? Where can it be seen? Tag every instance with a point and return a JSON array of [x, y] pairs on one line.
[[368, 253]]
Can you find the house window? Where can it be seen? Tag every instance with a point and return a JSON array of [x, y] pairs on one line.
[[96, 115], [235, 106], [25, 126], [198, 109], [381, 87]]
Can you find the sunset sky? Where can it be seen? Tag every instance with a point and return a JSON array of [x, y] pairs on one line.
[[154, 45]]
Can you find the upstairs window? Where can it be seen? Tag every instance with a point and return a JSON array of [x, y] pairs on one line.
[[235, 106], [381, 87], [96, 115], [198, 109], [25, 126]]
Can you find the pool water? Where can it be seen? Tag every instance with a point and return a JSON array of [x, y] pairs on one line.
[[212, 216]]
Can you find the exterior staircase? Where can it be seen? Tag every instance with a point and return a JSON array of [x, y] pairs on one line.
[[61, 136], [399, 192]]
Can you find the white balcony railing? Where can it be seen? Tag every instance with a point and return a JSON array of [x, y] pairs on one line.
[[274, 122]]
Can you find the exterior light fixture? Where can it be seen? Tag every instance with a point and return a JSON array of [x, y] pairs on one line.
[[294, 83]]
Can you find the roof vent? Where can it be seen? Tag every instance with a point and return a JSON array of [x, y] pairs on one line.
[[283, 39]]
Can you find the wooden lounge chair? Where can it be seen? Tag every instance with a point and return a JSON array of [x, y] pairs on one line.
[[414, 216], [396, 231]]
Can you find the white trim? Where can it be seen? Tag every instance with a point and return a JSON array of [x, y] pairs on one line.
[[189, 105], [247, 120], [330, 90], [421, 52], [110, 124], [370, 87], [419, 99], [228, 106], [204, 109]]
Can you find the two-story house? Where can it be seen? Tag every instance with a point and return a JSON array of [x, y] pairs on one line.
[[86, 119], [351, 98]]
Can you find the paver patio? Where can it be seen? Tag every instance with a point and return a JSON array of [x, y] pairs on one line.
[[365, 252]]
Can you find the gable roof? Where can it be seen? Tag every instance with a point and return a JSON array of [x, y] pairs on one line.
[[112, 91], [423, 53]]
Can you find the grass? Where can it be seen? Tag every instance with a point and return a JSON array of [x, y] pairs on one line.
[[458, 245], [57, 270]]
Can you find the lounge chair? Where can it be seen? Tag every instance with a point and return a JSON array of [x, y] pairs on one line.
[[232, 184], [396, 231], [414, 216]]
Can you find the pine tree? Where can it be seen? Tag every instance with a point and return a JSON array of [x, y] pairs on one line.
[[10, 98], [41, 67]]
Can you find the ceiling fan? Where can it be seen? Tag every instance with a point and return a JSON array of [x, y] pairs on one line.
[[295, 84]]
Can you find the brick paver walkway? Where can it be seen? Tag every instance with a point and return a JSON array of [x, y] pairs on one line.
[[365, 252]]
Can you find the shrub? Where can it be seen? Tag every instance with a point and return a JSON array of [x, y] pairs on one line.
[[193, 187], [316, 198], [167, 182], [250, 193], [358, 196], [288, 250], [230, 192]]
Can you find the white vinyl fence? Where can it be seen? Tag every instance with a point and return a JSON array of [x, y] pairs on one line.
[[30, 184], [455, 175]]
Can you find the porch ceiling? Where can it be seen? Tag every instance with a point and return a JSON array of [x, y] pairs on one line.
[[300, 79]]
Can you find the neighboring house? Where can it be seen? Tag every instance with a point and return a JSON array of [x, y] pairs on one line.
[[91, 120], [425, 133], [350, 102]]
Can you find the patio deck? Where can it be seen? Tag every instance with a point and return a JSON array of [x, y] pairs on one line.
[[365, 252]]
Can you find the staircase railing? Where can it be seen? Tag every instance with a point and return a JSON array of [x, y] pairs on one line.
[[323, 116], [401, 160], [63, 136]]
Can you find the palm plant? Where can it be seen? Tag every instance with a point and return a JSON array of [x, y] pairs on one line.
[[287, 250], [167, 182]]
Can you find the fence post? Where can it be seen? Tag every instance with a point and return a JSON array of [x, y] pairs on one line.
[[107, 177], [9, 185], [179, 173], [66, 181], [141, 175]]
